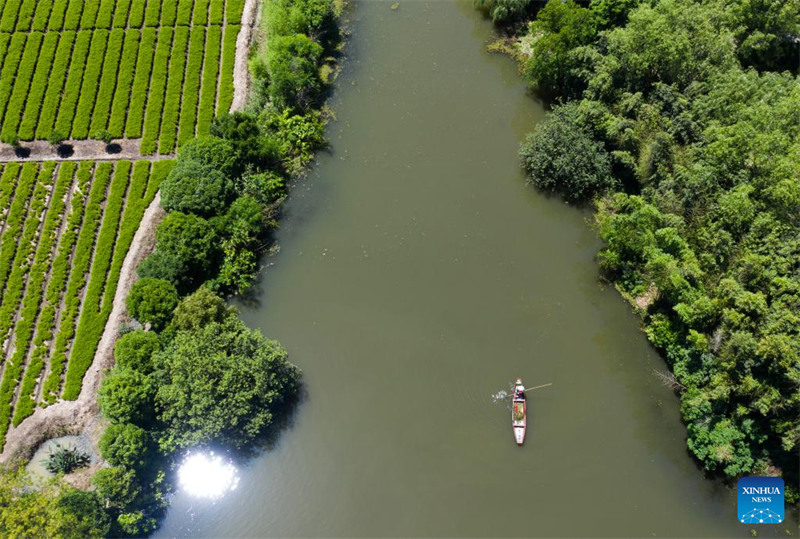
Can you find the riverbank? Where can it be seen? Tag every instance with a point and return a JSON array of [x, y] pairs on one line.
[[703, 260]]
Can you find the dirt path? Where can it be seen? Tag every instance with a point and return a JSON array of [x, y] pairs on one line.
[[241, 73], [81, 414], [82, 150]]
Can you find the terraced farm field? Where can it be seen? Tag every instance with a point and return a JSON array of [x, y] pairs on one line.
[[151, 69], [66, 228]]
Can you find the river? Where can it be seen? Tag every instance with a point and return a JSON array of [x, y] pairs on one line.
[[417, 275]]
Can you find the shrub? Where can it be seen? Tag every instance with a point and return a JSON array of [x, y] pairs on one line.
[[218, 153], [560, 156], [194, 187], [200, 308], [292, 62], [126, 396], [134, 350], [186, 252], [125, 445], [117, 485], [221, 383], [152, 301]]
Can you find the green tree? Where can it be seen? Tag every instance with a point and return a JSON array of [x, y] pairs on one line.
[[612, 13], [117, 486], [554, 65], [200, 308], [124, 444], [560, 156], [292, 63], [152, 301], [503, 11], [215, 152], [126, 396], [221, 383], [195, 187], [135, 350], [186, 254], [84, 514]]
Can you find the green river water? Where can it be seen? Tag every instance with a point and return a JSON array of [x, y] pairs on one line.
[[417, 275]]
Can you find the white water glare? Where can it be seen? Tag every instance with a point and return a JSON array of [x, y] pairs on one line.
[[206, 475]]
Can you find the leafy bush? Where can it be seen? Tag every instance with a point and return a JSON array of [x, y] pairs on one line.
[[152, 301], [198, 309], [135, 350], [561, 156], [186, 254], [194, 187], [127, 445], [126, 396], [221, 383], [292, 62]]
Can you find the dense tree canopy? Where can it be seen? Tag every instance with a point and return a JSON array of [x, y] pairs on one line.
[[193, 186], [221, 383], [135, 350], [152, 301], [665, 108]]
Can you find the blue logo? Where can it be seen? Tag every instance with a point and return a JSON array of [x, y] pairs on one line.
[[761, 500]]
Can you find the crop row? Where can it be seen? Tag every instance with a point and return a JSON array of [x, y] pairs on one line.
[[208, 90], [22, 80], [55, 288], [172, 100], [158, 84], [56, 15], [191, 86], [143, 187], [14, 220], [91, 76], [158, 81], [108, 82], [103, 251], [228, 59], [31, 304], [72, 231], [81, 260]]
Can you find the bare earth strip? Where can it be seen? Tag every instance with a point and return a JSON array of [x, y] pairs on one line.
[[241, 74], [83, 150], [74, 416]]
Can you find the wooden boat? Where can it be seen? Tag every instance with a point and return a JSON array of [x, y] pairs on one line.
[[519, 412]]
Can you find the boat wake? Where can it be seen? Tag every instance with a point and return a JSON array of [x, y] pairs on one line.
[[500, 396]]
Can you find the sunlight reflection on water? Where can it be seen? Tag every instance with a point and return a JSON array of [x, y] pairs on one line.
[[206, 475]]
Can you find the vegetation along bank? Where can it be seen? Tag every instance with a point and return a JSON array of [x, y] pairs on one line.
[[193, 374], [679, 120]]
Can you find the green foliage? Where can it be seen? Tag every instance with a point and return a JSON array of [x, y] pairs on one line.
[[126, 445], [222, 383], [186, 252], [195, 187], [560, 28], [503, 11], [126, 396], [135, 350], [705, 235], [51, 509], [215, 152], [292, 63], [198, 309], [65, 460], [561, 156], [84, 514], [117, 485], [298, 136], [243, 224], [152, 301], [612, 13]]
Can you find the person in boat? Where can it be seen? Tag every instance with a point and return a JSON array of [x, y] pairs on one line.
[[520, 393]]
